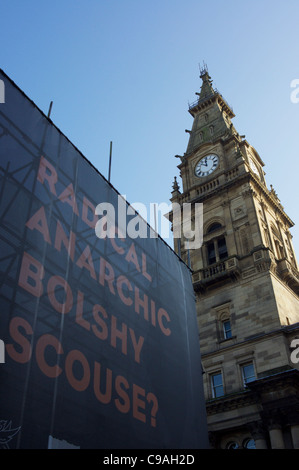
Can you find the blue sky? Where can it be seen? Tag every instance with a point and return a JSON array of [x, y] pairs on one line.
[[125, 70]]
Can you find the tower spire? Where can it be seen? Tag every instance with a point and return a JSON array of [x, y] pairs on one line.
[[212, 115], [207, 89]]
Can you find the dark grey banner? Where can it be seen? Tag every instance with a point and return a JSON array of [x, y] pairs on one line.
[[100, 334]]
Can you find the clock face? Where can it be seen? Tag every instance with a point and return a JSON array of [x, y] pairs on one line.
[[253, 167], [206, 165]]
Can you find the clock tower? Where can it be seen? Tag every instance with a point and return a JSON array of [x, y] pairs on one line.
[[246, 281]]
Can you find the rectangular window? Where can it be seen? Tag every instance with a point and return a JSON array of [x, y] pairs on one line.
[[217, 385], [248, 373], [227, 329]]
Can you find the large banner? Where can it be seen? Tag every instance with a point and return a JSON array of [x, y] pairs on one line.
[[100, 333]]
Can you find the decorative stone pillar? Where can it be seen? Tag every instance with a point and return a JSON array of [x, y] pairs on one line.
[[295, 435], [260, 442], [276, 436], [292, 421], [258, 433]]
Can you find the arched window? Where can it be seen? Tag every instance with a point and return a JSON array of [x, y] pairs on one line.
[[232, 445], [249, 443], [227, 329], [216, 248], [214, 227]]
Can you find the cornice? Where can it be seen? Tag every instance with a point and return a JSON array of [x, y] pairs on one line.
[[202, 104], [281, 331], [280, 379], [230, 402], [241, 179], [245, 177], [272, 199]]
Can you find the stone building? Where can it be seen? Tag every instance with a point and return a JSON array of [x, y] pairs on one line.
[[246, 282]]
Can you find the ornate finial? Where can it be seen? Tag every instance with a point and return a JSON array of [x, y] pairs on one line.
[[203, 70], [272, 191], [175, 185]]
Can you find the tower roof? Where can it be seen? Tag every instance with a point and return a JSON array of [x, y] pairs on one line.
[[207, 94], [206, 88]]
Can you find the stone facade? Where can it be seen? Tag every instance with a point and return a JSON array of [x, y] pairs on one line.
[[246, 280]]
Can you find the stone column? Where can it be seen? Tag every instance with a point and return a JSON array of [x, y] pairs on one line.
[[276, 436], [295, 435], [260, 442], [259, 435]]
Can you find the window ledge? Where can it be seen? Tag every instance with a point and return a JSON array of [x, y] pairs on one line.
[[227, 340]]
